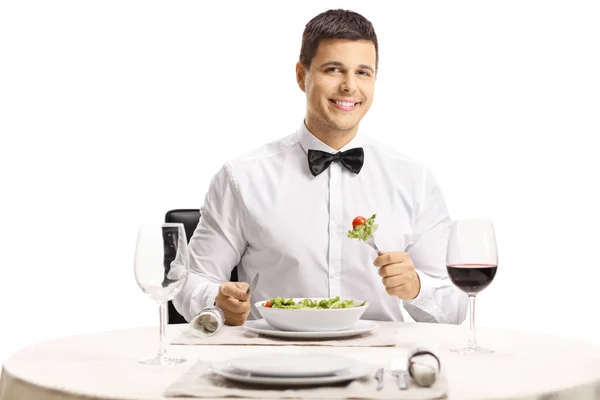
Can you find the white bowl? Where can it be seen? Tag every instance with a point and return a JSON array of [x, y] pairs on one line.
[[310, 319]]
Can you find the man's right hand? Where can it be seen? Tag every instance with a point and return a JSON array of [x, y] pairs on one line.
[[234, 301]]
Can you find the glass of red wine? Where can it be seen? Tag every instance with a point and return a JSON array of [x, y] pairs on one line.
[[472, 260]]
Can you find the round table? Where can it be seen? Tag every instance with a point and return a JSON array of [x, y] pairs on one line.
[[104, 365]]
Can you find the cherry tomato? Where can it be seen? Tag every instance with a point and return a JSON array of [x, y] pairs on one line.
[[268, 303], [358, 221]]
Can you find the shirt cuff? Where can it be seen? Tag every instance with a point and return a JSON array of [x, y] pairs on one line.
[[200, 302], [428, 286], [211, 295]]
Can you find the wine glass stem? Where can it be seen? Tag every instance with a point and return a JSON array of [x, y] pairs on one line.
[[472, 342], [162, 311]]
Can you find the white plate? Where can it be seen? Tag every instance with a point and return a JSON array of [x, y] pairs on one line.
[[293, 365], [261, 326], [225, 370]]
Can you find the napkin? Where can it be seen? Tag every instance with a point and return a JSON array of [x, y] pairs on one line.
[[200, 382], [382, 336]]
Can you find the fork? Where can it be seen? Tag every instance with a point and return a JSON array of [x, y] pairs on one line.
[[371, 242], [400, 372]]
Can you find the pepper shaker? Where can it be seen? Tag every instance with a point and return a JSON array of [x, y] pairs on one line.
[[207, 322]]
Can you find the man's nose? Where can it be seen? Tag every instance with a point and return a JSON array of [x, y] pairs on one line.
[[348, 84]]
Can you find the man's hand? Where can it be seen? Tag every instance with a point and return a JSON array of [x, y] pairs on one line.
[[234, 301], [398, 275]]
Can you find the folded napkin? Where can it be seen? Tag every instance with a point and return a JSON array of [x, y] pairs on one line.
[[382, 336], [199, 381]]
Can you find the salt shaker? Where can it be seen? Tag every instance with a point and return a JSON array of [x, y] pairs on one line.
[[208, 322], [424, 367]]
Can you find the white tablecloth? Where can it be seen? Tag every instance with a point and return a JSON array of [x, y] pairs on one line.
[[104, 365]]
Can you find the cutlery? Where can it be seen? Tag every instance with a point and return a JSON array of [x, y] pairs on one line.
[[371, 242], [379, 378], [400, 372], [253, 284]]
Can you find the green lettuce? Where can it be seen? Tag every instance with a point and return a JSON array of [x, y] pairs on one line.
[[336, 302], [364, 231]]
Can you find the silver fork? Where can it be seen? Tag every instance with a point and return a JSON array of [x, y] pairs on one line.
[[400, 372], [371, 242]]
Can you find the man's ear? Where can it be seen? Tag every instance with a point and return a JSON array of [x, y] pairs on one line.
[[301, 75]]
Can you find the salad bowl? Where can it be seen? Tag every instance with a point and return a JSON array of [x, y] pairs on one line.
[[311, 314]]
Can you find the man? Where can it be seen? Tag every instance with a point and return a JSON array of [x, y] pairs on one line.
[[285, 209]]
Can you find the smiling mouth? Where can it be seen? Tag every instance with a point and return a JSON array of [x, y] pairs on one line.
[[344, 105]]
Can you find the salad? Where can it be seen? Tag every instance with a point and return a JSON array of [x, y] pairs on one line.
[[363, 228], [336, 302]]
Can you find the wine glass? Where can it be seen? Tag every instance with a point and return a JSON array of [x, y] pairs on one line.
[[161, 270], [472, 260]]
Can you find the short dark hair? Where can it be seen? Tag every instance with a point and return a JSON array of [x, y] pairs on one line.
[[335, 24]]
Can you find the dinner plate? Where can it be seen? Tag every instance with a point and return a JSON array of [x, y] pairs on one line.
[[261, 326], [224, 369], [292, 365]]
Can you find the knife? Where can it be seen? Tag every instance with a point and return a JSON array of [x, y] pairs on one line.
[[252, 284], [379, 378]]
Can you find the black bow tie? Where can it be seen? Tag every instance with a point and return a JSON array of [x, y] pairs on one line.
[[319, 161]]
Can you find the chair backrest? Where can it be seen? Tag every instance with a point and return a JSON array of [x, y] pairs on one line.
[[189, 218]]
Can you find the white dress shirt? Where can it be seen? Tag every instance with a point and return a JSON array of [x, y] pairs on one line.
[[266, 212]]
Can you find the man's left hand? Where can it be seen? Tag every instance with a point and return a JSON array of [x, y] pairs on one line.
[[398, 275]]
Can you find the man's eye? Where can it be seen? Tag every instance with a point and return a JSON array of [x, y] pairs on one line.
[[333, 69], [364, 73]]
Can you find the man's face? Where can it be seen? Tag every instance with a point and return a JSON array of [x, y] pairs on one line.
[[339, 85]]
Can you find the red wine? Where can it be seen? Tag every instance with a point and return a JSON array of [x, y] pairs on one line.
[[472, 278]]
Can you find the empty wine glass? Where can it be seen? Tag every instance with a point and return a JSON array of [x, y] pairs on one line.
[[472, 260], [161, 270]]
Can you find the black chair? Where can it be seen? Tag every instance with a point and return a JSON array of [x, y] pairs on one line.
[[189, 218]]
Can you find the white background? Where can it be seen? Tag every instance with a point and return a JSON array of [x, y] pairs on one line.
[[113, 112]]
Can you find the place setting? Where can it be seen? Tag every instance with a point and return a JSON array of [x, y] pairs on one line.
[[307, 375]]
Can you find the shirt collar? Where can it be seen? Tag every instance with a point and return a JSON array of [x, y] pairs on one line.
[[308, 141]]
